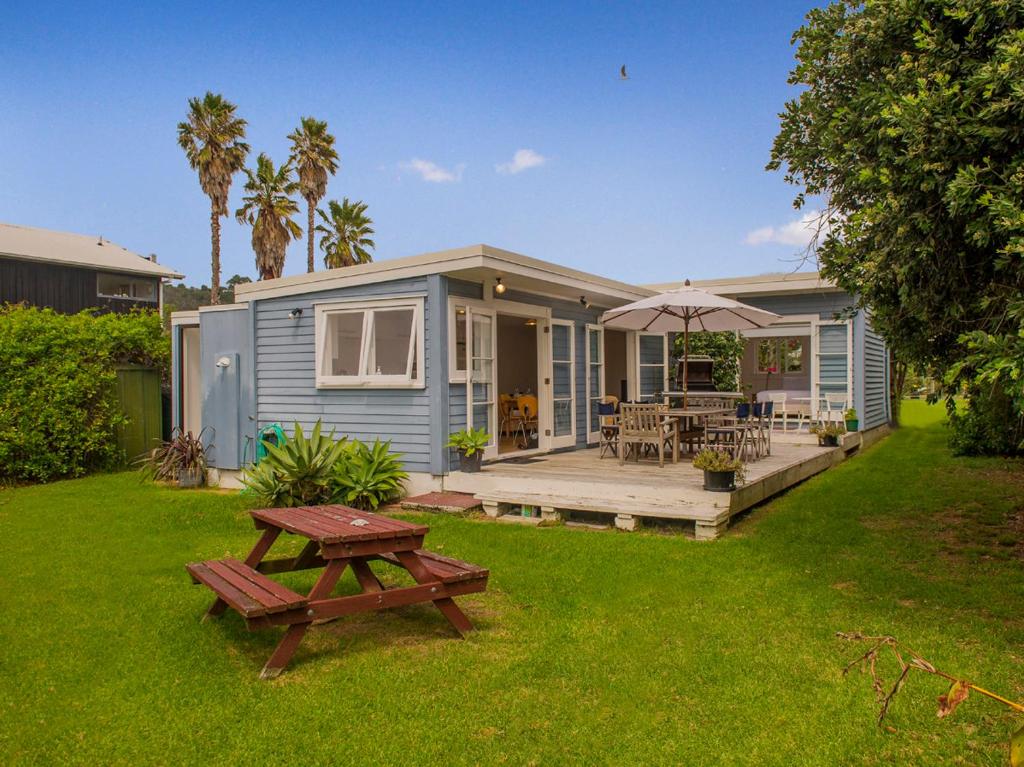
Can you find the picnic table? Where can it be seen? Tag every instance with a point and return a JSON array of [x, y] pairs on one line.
[[339, 537]]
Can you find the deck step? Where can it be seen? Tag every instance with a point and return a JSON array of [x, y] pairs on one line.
[[249, 592]]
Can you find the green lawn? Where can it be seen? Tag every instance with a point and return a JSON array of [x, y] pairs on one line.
[[595, 647]]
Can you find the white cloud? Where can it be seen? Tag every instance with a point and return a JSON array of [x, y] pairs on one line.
[[798, 233], [431, 171], [521, 160]]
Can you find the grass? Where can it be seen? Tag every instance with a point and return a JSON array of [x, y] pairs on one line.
[[595, 647]]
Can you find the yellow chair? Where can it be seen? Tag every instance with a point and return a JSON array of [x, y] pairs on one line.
[[527, 420]]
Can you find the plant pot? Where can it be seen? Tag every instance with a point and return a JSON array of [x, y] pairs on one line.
[[190, 478], [720, 481], [470, 463], [852, 424], [828, 440]]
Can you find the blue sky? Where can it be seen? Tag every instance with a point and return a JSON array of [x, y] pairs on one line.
[[660, 177]]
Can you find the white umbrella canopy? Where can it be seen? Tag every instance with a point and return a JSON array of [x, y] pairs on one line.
[[686, 309]]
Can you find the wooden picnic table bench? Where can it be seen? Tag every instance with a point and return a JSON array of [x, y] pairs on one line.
[[339, 537]]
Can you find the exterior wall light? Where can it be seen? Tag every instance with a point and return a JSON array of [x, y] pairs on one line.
[[584, 302], [294, 314], [499, 288]]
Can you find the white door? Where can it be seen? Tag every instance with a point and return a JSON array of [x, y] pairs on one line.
[[481, 374], [563, 384], [595, 380]]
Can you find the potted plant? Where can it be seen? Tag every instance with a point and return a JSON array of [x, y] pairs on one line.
[[470, 444], [851, 420], [721, 470], [180, 459], [829, 433]]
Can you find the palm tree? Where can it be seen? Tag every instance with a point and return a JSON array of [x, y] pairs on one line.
[[268, 208], [314, 156], [212, 139], [346, 234]]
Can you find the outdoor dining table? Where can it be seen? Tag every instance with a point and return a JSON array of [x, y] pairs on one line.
[[339, 537], [687, 416]]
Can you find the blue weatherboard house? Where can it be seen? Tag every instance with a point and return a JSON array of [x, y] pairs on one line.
[[412, 349]]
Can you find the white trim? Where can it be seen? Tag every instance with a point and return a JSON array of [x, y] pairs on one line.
[[222, 308], [491, 450], [565, 440], [498, 306], [635, 393], [185, 318], [816, 361], [363, 299], [593, 437], [479, 257], [365, 380]]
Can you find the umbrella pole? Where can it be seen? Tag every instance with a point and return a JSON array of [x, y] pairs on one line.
[[686, 358]]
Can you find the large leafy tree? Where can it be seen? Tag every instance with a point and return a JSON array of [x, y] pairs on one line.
[[268, 208], [315, 158], [346, 234], [910, 125], [212, 137]]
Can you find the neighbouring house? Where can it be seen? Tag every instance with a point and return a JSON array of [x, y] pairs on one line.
[[71, 272], [412, 349]]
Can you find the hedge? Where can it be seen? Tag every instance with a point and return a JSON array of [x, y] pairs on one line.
[[58, 402]]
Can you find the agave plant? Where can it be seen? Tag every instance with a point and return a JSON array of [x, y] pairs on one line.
[[182, 458], [297, 472], [368, 476]]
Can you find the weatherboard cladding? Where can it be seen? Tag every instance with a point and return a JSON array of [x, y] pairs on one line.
[[560, 310], [286, 390], [875, 408]]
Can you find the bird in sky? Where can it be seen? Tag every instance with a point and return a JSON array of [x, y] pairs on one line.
[[622, 73]]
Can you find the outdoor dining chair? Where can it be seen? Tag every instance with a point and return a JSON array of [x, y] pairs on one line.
[[642, 425], [608, 427], [831, 408], [732, 433]]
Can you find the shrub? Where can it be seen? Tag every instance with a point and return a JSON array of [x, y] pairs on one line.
[[366, 476], [715, 460], [470, 441], [182, 453], [297, 472], [987, 423], [725, 348], [58, 395]]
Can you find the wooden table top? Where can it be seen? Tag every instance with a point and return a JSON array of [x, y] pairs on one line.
[[699, 411], [337, 524]]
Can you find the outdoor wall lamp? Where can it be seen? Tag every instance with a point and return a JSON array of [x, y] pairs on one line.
[[294, 314], [223, 362], [499, 288], [584, 302]]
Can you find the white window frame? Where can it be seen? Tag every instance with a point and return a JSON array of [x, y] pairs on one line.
[[365, 380], [638, 366], [454, 304], [593, 437], [564, 440], [816, 355]]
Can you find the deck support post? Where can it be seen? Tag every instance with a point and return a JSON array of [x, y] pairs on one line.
[[492, 509], [709, 530], [627, 522], [550, 514]]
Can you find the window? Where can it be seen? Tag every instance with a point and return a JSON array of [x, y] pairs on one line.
[[373, 344], [121, 286], [457, 343], [780, 355], [651, 367]]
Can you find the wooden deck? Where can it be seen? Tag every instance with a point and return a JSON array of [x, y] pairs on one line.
[[579, 481]]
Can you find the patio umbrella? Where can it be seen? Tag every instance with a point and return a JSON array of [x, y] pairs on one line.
[[677, 311]]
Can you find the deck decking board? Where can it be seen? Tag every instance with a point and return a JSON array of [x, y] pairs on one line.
[[582, 481]]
